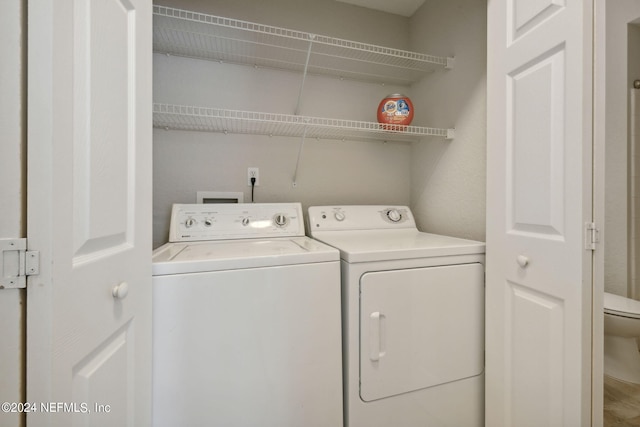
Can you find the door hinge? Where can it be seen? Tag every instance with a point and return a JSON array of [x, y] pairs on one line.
[[16, 263], [591, 236]]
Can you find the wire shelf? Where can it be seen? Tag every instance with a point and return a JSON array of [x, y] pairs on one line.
[[182, 117], [191, 34]]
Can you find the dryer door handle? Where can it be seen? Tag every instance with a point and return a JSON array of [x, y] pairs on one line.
[[376, 336]]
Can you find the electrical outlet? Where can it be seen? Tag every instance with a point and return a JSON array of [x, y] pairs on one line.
[[253, 173]]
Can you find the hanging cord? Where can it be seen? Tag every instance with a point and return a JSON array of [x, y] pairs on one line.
[[253, 185]]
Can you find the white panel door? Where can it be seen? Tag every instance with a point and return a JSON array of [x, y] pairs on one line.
[[89, 212], [539, 197]]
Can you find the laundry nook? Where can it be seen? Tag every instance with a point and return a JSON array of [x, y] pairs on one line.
[[320, 213]]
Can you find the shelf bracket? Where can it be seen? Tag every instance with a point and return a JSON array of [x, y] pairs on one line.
[[451, 133], [451, 61], [312, 37]]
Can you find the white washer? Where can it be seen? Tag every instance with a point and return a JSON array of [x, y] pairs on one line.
[[246, 320], [413, 319]]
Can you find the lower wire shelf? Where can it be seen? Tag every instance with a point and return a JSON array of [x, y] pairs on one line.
[[182, 117]]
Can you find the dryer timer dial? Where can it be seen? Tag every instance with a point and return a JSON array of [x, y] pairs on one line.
[[394, 215]]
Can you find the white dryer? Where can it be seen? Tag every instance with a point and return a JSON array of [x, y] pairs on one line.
[[246, 320], [413, 319]]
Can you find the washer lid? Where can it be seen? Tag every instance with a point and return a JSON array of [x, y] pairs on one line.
[[381, 245], [181, 258], [621, 306]]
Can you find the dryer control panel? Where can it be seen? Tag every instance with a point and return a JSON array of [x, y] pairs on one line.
[[194, 222], [333, 218]]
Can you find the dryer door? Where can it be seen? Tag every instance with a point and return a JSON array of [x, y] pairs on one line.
[[420, 328]]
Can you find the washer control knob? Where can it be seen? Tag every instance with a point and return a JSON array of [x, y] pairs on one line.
[[394, 215], [190, 222], [340, 216], [245, 221], [281, 220], [208, 222]]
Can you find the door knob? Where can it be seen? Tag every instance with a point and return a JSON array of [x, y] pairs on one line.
[[523, 261], [120, 290]]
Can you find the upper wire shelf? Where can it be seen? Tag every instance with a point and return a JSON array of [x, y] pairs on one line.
[[197, 35], [181, 117]]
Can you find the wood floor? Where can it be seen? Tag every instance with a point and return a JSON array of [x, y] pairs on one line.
[[621, 403]]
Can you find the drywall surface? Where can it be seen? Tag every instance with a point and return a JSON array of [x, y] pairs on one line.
[[619, 14], [326, 17], [448, 178], [633, 178], [330, 171]]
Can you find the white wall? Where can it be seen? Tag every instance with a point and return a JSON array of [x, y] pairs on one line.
[[326, 17], [633, 179], [448, 178], [443, 181], [618, 14], [12, 195], [331, 172]]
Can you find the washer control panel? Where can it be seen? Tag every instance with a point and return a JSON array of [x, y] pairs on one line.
[[327, 218], [193, 222]]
